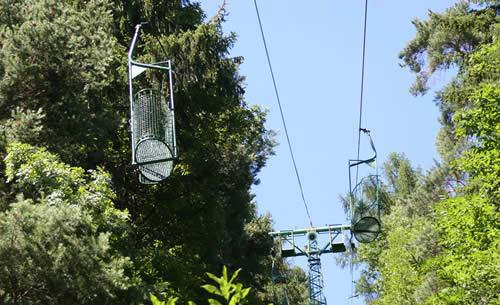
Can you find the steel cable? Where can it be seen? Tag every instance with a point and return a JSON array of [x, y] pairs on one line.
[[359, 124], [282, 115]]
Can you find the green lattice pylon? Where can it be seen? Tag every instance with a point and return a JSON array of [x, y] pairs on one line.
[[152, 119], [316, 296], [313, 252]]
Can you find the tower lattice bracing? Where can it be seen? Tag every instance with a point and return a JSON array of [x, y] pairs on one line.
[[313, 252], [316, 295]]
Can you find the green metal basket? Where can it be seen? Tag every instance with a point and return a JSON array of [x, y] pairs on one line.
[[365, 209], [153, 133], [152, 118]]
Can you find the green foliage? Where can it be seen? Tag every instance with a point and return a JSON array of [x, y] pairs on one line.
[[58, 56], [469, 264], [440, 239], [58, 240], [401, 177], [24, 126], [445, 40], [170, 301], [226, 291], [468, 223], [38, 175], [289, 286], [230, 292], [478, 123], [63, 82], [395, 269], [408, 243]]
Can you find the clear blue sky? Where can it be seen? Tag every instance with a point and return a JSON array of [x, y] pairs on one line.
[[315, 48]]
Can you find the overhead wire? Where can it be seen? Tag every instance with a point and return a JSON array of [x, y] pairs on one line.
[[360, 129], [282, 115], [362, 85]]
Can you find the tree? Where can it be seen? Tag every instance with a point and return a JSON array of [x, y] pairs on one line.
[[74, 90], [394, 267], [226, 291], [60, 57], [468, 223], [468, 265], [446, 253], [289, 286], [447, 41], [58, 238]]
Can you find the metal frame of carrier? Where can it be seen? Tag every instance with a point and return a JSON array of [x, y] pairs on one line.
[[152, 121]]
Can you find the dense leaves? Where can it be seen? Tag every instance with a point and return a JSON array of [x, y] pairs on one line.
[[76, 227], [63, 87], [58, 238], [469, 264], [445, 40], [396, 270], [225, 291], [60, 58], [440, 244]]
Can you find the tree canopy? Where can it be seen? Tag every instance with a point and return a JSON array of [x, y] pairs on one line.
[[66, 172], [77, 227], [440, 240]]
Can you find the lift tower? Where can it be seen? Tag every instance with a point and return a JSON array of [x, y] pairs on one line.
[[313, 251], [364, 207]]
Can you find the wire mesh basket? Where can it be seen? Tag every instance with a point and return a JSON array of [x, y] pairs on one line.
[[365, 209], [153, 135], [364, 197], [152, 117]]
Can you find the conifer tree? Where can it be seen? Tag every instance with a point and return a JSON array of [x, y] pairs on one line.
[[440, 239], [63, 71], [59, 238]]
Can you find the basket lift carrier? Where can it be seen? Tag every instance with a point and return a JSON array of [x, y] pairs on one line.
[[152, 119], [364, 198]]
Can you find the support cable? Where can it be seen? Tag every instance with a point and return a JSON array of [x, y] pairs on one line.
[[282, 115], [360, 129], [362, 85]]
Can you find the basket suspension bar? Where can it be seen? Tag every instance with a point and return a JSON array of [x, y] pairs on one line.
[[130, 87], [172, 107], [355, 162], [134, 41]]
